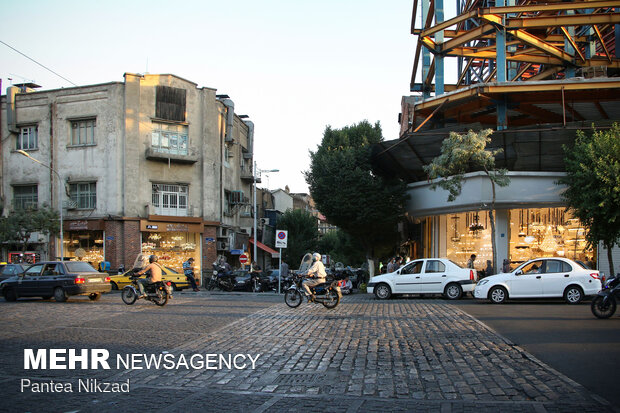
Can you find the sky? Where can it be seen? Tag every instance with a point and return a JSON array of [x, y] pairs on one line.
[[293, 66]]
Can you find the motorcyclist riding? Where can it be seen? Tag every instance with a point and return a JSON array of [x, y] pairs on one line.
[[155, 275], [317, 274]]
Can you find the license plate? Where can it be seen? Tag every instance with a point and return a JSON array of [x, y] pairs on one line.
[[94, 280]]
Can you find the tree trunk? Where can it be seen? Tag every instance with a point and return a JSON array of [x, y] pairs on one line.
[[610, 258]]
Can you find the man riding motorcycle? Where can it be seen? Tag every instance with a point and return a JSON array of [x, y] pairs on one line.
[[317, 274], [155, 275]]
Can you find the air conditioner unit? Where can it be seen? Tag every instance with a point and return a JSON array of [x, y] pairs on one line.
[[223, 245], [222, 232], [264, 221], [71, 204]]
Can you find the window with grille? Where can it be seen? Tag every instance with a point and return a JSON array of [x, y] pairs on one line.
[[170, 138], [25, 197], [27, 138], [83, 132], [170, 199], [84, 195]]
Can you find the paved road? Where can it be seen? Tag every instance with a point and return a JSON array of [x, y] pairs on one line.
[[567, 337], [364, 356]]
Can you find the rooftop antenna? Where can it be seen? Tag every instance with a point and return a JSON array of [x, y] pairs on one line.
[[147, 66]]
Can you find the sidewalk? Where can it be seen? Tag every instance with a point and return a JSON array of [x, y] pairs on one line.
[[364, 356]]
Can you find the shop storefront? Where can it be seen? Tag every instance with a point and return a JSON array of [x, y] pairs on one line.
[[172, 243], [83, 241], [531, 221], [532, 233]]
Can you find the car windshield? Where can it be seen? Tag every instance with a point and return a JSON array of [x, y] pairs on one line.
[[79, 266]]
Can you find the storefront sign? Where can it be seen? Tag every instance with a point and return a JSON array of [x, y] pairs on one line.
[[152, 227], [170, 227], [177, 228], [84, 225]]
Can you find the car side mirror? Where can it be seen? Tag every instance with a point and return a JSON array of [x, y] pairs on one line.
[[519, 272]]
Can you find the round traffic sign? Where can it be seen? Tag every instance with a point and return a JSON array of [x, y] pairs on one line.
[[243, 258], [281, 234]]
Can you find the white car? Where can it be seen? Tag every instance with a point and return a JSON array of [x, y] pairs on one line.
[[425, 276], [539, 278]]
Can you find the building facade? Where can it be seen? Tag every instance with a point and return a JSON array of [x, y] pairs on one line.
[[534, 80], [153, 164]]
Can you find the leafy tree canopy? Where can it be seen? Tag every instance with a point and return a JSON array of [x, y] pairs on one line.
[[593, 185], [348, 193], [341, 247], [21, 223], [462, 153], [302, 229]]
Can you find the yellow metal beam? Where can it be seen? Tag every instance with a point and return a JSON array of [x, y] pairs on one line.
[[602, 42], [466, 37], [565, 20], [451, 22], [528, 58], [553, 7], [572, 42], [541, 45]]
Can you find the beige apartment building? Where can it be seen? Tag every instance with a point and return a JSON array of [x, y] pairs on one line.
[[153, 164]]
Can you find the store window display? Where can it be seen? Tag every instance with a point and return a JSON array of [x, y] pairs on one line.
[[172, 248]]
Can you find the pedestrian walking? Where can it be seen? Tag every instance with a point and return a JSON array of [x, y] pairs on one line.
[[506, 265], [188, 270], [471, 262]]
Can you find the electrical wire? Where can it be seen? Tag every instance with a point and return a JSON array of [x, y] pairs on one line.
[[30, 58]]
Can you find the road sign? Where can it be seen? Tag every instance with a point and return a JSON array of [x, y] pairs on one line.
[[281, 238], [243, 259]]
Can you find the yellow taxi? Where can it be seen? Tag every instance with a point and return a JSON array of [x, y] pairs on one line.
[[178, 280]]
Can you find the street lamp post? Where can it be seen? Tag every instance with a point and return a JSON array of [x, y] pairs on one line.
[[62, 239], [255, 208]]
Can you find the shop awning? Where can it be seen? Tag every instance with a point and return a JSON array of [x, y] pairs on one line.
[[274, 253]]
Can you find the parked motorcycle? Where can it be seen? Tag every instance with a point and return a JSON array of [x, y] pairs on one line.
[[221, 279], [327, 293], [605, 302], [158, 292]]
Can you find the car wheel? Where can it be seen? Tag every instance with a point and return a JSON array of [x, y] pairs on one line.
[[573, 294], [453, 291], [498, 295], [114, 285], [94, 296], [9, 294], [383, 291], [60, 295]]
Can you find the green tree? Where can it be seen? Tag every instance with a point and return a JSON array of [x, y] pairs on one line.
[[303, 232], [21, 223], [593, 186], [341, 247], [349, 194], [462, 153]]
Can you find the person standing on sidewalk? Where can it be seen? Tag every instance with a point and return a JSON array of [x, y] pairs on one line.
[[188, 270]]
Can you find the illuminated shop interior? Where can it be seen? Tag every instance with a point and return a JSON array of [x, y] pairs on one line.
[[533, 233], [172, 248], [85, 246]]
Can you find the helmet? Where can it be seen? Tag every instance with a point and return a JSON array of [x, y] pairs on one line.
[[316, 256], [153, 258]]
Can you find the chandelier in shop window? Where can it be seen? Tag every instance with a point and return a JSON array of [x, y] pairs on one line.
[[167, 244], [188, 246], [475, 227], [154, 236]]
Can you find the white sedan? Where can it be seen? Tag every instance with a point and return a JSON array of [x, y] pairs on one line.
[[425, 276], [539, 278]]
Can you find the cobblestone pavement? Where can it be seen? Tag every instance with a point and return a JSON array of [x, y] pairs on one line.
[[364, 356]]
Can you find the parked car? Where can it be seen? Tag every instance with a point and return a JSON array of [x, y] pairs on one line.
[[177, 279], [11, 270], [242, 280], [540, 278], [56, 279], [425, 276]]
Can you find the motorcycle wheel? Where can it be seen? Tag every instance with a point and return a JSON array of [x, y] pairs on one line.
[[333, 300], [162, 298], [601, 310], [292, 298], [211, 285], [129, 296], [229, 287]]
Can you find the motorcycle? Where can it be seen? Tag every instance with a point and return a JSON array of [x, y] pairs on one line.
[[221, 279], [605, 302], [327, 293], [159, 292]]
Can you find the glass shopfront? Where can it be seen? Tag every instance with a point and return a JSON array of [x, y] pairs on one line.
[[532, 233], [84, 241], [172, 243]]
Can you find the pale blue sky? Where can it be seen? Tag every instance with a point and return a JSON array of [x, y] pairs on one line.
[[292, 66]]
